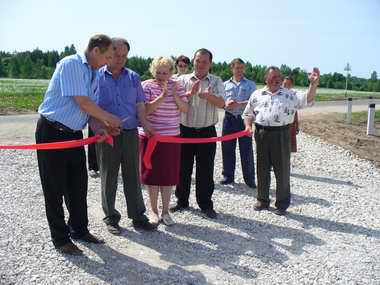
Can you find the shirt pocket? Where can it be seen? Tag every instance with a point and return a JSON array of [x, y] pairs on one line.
[[243, 94], [128, 95], [104, 98], [230, 93]]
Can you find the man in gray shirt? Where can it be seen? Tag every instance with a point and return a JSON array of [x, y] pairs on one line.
[[205, 92]]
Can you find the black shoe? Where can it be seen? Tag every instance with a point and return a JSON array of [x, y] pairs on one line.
[[114, 229], [210, 213], [90, 239], [226, 181], [252, 186], [177, 208], [144, 225], [70, 249], [280, 212], [260, 206]]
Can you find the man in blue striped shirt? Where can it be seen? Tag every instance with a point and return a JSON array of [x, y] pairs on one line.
[[238, 89], [69, 101]]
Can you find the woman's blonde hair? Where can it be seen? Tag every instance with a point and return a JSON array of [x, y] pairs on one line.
[[161, 62]]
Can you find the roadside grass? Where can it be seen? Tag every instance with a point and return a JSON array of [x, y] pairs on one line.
[[27, 94], [362, 117]]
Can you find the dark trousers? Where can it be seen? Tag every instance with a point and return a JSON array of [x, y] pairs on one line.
[[233, 124], [63, 175], [91, 153], [273, 149], [204, 155], [124, 153]]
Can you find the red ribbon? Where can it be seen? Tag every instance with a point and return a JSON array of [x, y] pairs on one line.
[[60, 145], [152, 142]]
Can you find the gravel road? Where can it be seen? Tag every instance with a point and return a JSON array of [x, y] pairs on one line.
[[330, 236]]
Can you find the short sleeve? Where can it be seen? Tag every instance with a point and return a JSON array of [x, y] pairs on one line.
[[146, 86], [302, 100], [228, 91], [249, 109], [253, 86], [219, 88], [181, 91], [72, 79], [140, 95]]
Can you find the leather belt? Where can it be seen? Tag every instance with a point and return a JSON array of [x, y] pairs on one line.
[[58, 126], [271, 128]]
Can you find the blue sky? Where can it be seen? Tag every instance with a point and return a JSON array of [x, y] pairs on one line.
[[320, 33]]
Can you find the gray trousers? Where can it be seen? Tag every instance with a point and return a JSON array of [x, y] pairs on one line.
[[125, 152], [273, 149]]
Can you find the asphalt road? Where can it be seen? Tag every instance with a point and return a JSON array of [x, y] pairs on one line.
[[19, 129]]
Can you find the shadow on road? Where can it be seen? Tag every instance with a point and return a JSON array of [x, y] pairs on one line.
[[118, 268]]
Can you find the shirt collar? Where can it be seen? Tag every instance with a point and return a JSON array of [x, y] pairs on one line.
[[266, 91], [232, 79], [206, 77], [83, 57], [106, 70]]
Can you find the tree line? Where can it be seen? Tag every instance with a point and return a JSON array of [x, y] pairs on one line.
[[37, 64]]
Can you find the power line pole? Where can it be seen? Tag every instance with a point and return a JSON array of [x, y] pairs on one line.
[[347, 69]]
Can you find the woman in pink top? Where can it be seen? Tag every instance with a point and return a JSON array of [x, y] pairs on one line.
[[165, 100]]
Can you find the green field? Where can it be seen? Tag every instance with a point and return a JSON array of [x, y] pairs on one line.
[[325, 94], [22, 93], [27, 94]]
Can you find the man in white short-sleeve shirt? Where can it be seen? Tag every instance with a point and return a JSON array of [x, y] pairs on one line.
[[272, 108]]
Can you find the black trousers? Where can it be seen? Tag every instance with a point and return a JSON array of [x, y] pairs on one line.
[[63, 175], [273, 149], [91, 153], [204, 155]]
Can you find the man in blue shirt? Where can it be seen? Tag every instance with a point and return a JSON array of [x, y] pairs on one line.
[[121, 93], [65, 110], [238, 89]]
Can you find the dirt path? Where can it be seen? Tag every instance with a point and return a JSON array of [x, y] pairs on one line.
[[17, 129], [337, 107], [332, 128]]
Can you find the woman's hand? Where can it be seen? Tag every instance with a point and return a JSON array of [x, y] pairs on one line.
[[164, 86]]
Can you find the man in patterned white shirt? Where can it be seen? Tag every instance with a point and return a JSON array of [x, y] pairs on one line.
[[272, 108]]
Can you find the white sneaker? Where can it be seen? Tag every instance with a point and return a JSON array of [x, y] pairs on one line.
[[154, 218], [93, 173], [168, 220]]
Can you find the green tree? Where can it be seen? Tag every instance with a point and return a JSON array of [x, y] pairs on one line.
[[2, 69], [373, 76], [376, 87], [68, 50], [285, 70], [36, 55], [52, 58], [26, 69], [140, 65], [225, 74], [14, 68], [72, 49]]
